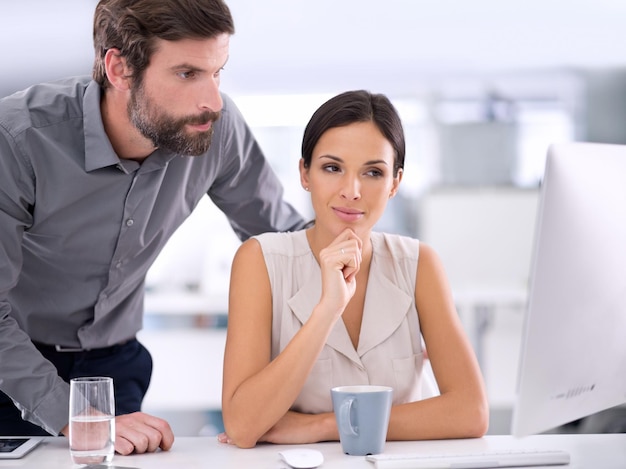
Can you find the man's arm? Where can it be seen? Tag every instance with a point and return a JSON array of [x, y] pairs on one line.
[[247, 189], [25, 375]]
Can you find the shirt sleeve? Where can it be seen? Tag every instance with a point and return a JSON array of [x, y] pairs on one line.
[[30, 380], [247, 190]]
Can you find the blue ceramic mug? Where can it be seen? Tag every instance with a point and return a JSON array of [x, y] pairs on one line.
[[362, 414]]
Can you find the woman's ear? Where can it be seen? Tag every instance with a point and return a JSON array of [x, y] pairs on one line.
[[304, 175], [396, 183], [117, 70]]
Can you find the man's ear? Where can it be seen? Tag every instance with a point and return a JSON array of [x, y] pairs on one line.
[[117, 70]]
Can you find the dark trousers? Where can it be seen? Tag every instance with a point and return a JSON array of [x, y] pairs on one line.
[[129, 364]]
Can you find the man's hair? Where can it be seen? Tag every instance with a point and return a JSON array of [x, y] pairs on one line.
[[133, 26]]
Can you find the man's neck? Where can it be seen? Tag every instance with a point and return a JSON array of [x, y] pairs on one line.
[[126, 140]]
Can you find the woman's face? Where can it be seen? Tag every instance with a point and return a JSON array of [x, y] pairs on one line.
[[350, 177]]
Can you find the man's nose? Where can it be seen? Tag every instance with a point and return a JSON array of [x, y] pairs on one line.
[[212, 99]]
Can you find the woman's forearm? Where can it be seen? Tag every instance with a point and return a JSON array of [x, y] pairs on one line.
[[261, 400], [451, 415]]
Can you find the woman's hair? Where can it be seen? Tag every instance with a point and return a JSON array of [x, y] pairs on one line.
[[356, 106], [132, 26]]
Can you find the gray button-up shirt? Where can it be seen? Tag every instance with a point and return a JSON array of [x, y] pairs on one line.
[[79, 227]]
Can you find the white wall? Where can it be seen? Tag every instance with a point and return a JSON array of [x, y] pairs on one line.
[[400, 46]]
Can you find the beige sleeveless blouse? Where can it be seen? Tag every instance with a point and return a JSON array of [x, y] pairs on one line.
[[389, 350]]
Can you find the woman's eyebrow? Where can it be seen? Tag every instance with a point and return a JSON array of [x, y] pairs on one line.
[[367, 163]]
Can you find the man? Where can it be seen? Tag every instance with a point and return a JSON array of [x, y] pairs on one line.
[[95, 175]]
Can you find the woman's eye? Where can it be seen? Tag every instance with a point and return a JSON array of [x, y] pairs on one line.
[[331, 168], [374, 173]]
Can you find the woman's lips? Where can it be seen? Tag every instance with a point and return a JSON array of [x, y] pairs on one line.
[[348, 214]]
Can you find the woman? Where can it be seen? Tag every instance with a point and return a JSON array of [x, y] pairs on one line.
[[339, 304]]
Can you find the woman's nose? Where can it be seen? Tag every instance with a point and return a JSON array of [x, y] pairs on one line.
[[351, 189]]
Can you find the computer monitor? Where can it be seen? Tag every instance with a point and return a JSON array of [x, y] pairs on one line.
[[573, 353]]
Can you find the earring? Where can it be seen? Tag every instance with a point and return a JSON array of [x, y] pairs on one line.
[[306, 189]]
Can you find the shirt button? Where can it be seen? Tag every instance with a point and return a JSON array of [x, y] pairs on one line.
[[119, 265], [130, 222]]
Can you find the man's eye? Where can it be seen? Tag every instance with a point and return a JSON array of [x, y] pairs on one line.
[[186, 75]]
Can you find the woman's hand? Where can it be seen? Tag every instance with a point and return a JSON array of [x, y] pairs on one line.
[[340, 261], [297, 428]]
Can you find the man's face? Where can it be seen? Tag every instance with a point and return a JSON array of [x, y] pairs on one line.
[[177, 100]]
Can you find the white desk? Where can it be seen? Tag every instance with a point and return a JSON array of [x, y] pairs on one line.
[[606, 451]]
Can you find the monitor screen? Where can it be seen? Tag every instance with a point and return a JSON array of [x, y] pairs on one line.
[[573, 353]]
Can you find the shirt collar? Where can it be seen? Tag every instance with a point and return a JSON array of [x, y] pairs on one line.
[[99, 152]]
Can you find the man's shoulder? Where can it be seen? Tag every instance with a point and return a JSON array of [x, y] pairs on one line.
[[43, 104], [229, 108], [231, 129]]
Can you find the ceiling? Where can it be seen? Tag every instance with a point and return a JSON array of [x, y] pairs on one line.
[[296, 46]]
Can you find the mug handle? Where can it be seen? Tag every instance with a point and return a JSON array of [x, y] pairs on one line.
[[345, 421]]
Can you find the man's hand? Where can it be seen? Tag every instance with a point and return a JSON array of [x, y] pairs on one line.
[[141, 433]]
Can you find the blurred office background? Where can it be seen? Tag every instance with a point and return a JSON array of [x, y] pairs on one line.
[[483, 88]]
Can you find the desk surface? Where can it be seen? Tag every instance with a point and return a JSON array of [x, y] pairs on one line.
[[606, 451]]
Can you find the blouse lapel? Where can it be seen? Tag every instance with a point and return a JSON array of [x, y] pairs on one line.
[[385, 308], [302, 304]]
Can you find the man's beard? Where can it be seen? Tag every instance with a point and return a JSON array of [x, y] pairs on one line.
[[165, 131]]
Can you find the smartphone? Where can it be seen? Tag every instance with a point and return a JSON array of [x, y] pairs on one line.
[[15, 447]]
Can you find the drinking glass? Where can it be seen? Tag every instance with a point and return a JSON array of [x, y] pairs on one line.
[[92, 420]]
